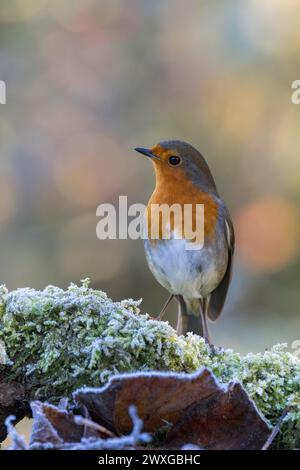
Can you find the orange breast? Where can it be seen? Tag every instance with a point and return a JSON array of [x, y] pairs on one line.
[[175, 188]]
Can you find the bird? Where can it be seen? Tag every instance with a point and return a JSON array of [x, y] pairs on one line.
[[198, 277]]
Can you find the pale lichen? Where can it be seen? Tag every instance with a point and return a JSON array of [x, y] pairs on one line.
[[61, 340]]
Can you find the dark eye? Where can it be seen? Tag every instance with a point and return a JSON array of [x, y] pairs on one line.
[[174, 160]]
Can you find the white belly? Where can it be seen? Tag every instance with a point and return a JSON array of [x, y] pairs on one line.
[[190, 273]]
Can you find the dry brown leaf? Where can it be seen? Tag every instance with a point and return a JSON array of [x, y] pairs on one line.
[[227, 420], [201, 411], [159, 398], [58, 429], [56, 426]]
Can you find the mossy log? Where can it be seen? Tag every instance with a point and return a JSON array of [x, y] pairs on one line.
[[54, 341]]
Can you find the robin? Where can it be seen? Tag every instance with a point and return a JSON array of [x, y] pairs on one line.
[[197, 278]]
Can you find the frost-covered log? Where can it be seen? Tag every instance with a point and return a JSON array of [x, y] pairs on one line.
[[54, 341]]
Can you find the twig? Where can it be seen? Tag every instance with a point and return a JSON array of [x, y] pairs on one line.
[[90, 424], [276, 429]]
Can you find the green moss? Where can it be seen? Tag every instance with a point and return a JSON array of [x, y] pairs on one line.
[[62, 340]]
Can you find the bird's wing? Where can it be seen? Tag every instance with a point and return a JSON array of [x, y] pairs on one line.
[[218, 296]]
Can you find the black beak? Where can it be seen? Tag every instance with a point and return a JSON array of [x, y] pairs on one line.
[[146, 152]]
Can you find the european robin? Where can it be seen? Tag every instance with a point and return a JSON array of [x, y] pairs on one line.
[[197, 278]]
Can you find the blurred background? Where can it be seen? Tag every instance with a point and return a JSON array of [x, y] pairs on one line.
[[88, 80]]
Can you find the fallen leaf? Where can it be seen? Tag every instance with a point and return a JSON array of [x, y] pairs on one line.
[[56, 426], [159, 398], [58, 429], [200, 410], [227, 420]]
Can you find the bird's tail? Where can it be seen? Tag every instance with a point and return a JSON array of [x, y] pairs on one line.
[[194, 325], [190, 318]]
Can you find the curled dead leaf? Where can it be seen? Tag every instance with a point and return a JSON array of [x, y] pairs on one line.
[[56, 426], [200, 410]]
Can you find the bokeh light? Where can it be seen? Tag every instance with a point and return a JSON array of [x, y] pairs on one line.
[[267, 233]]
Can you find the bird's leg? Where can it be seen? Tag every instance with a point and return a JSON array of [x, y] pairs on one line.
[[204, 303], [182, 319], [160, 316]]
